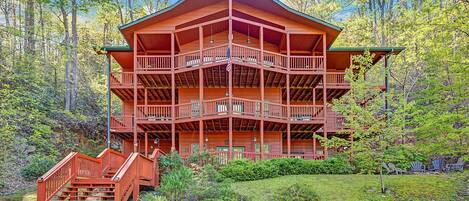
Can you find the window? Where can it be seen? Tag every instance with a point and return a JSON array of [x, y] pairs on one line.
[[266, 148], [221, 108]]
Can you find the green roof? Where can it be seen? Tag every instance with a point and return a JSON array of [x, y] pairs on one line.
[[361, 49], [116, 48], [169, 8]]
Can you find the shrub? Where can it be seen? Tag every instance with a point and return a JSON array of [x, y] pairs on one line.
[[296, 192], [337, 165], [242, 170], [37, 166], [175, 184], [170, 162]]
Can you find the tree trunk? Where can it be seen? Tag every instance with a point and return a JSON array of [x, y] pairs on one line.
[[119, 8], [45, 61], [67, 63], [131, 9], [75, 67], [29, 41]]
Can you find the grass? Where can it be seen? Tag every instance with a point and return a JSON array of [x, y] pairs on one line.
[[23, 195], [364, 187]]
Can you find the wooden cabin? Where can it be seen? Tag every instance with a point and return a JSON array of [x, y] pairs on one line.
[[236, 78]]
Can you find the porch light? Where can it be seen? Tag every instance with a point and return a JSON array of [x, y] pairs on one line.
[[206, 139], [157, 140], [254, 139], [211, 35], [249, 39]]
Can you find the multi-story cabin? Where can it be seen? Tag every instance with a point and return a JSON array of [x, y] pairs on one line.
[[244, 79]]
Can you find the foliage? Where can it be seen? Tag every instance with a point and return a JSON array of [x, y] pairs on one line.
[[152, 197], [207, 184], [244, 170], [175, 184], [171, 162], [37, 166], [296, 192]]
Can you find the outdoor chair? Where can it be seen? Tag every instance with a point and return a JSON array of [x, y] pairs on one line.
[[396, 170], [417, 166], [458, 166], [388, 171], [437, 166]]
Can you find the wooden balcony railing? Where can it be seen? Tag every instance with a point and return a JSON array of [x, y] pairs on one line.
[[275, 111], [121, 123], [275, 60], [154, 113], [153, 63], [220, 106], [336, 79], [313, 63], [122, 79], [239, 53], [246, 107], [306, 112], [216, 107]]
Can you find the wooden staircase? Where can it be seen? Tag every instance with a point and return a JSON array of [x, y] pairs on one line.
[[110, 176], [89, 189]]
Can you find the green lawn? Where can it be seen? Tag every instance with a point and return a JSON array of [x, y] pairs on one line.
[[365, 187]]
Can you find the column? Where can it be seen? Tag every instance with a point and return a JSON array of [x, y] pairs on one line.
[[173, 97], [261, 108], [230, 81], [288, 96], [201, 122], [134, 118], [146, 144], [109, 60], [324, 93]]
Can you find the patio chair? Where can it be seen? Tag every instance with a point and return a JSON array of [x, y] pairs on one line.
[[417, 166], [396, 170], [388, 171], [437, 165], [458, 166]]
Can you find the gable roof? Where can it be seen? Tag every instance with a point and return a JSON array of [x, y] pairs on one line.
[[273, 6]]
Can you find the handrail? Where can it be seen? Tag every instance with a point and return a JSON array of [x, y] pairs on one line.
[[72, 166]]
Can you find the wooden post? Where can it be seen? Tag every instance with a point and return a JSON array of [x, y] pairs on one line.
[[230, 79], [201, 44], [146, 144], [324, 93], [201, 122], [173, 97], [261, 107], [134, 123], [109, 59], [288, 96], [314, 144]]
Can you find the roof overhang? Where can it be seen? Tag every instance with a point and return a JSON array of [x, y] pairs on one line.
[[273, 6]]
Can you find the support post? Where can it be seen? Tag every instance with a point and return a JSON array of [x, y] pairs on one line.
[[261, 107], [288, 140], [230, 79], [109, 60], [324, 93], [201, 122], [134, 122], [173, 97], [146, 144], [314, 144]]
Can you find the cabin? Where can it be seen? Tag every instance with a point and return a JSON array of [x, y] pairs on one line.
[[234, 78]]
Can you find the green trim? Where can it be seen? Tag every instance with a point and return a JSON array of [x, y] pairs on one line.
[[309, 17], [169, 8], [117, 48], [362, 49]]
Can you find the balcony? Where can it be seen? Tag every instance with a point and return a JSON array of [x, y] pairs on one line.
[[240, 54], [122, 80], [241, 107]]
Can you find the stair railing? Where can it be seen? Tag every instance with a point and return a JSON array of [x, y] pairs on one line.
[[76, 165]]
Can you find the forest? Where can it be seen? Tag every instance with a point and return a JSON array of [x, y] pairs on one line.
[[53, 83]]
